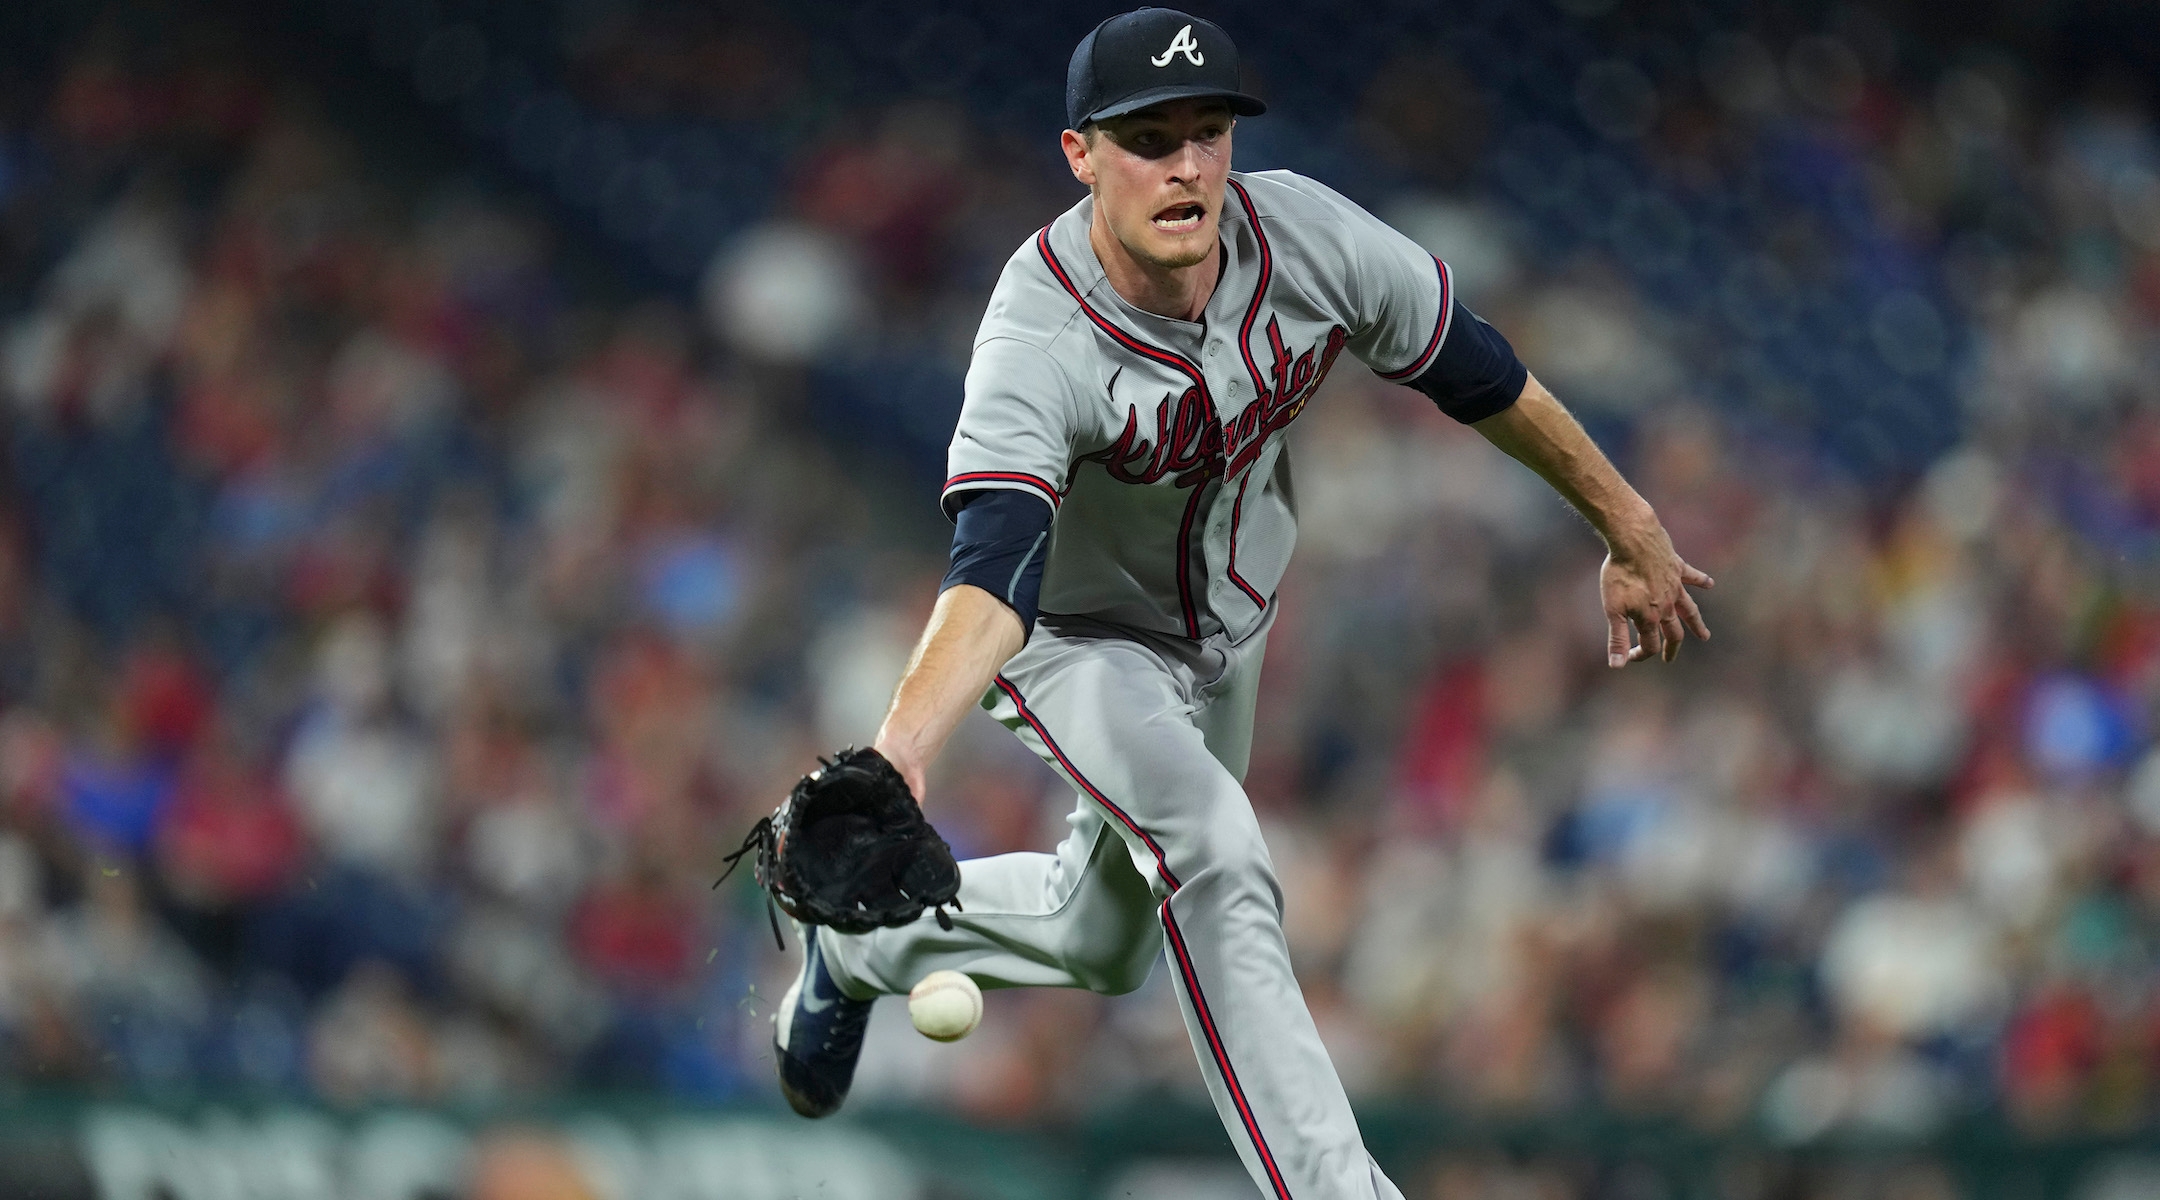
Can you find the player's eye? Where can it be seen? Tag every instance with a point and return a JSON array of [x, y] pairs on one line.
[[1149, 143]]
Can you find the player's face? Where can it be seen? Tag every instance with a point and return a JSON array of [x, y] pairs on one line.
[[1158, 178]]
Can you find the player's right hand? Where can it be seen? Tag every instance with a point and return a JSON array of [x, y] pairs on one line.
[[1645, 591]]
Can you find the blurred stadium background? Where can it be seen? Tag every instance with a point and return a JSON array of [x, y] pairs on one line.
[[462, 458]]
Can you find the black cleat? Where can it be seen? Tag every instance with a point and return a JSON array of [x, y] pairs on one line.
[[817, 1035]]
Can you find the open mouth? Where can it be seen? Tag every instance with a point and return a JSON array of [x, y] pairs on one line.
[[1180, 218]]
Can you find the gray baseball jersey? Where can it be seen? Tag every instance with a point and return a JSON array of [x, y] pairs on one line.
[[1159, 442]]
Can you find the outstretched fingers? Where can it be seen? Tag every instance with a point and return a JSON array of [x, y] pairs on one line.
[[1655, 635], [1692, 615], [1658, 627], [1673, 631]]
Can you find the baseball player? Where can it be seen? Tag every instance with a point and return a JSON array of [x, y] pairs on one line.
[[1121, 490]]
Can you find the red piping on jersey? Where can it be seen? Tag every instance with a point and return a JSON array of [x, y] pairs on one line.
[[1162, 861], [1221, 1053], [1176, 938], [1259, 293], [1260, 389], [1034, 481], [1237, 507], [1440, 328], [1181, 364], [1171, 359]]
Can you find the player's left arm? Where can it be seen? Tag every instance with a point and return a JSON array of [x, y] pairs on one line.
[[1644, 581], [1408, 324]]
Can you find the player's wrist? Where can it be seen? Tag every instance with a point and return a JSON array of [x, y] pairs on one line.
[[906, 758], [1634, 531]]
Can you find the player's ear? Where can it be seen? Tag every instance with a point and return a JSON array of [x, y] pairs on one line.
[[1075, 146]]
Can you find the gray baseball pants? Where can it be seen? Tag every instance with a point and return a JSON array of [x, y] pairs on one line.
[[1165, 854]]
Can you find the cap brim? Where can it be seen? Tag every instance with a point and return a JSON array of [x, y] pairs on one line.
[[1240, 103]]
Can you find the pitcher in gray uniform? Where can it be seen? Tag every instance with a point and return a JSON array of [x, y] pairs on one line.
[[1121, 488]]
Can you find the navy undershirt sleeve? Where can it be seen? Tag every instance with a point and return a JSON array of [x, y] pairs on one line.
[[1000, 540], [1475, 373]]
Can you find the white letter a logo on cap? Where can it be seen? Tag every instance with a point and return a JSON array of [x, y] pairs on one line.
[[1183, 44]]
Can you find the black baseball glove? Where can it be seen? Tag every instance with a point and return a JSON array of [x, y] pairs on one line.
[[849, 849]]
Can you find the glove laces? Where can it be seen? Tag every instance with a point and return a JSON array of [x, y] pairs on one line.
[[762, 838]]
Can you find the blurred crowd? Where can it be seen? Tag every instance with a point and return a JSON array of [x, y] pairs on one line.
[[394, 631]]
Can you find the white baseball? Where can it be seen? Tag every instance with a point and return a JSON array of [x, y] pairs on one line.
[[946, 1006]]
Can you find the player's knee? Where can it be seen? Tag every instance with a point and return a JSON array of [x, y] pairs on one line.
[[1126, 974], [1233, 856], [1115, 968], [1118, 977], [1235, 874]]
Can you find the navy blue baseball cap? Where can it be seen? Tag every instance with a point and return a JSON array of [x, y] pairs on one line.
[[1148, 56]]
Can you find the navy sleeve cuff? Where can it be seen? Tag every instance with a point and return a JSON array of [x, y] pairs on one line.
[[1000, 541], [1475, 372]]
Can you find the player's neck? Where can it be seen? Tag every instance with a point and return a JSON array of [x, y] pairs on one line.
[[1180, 293]]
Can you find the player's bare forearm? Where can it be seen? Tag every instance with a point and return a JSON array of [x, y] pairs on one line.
[[970, 636], [1539, 432], [1644, 582]]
